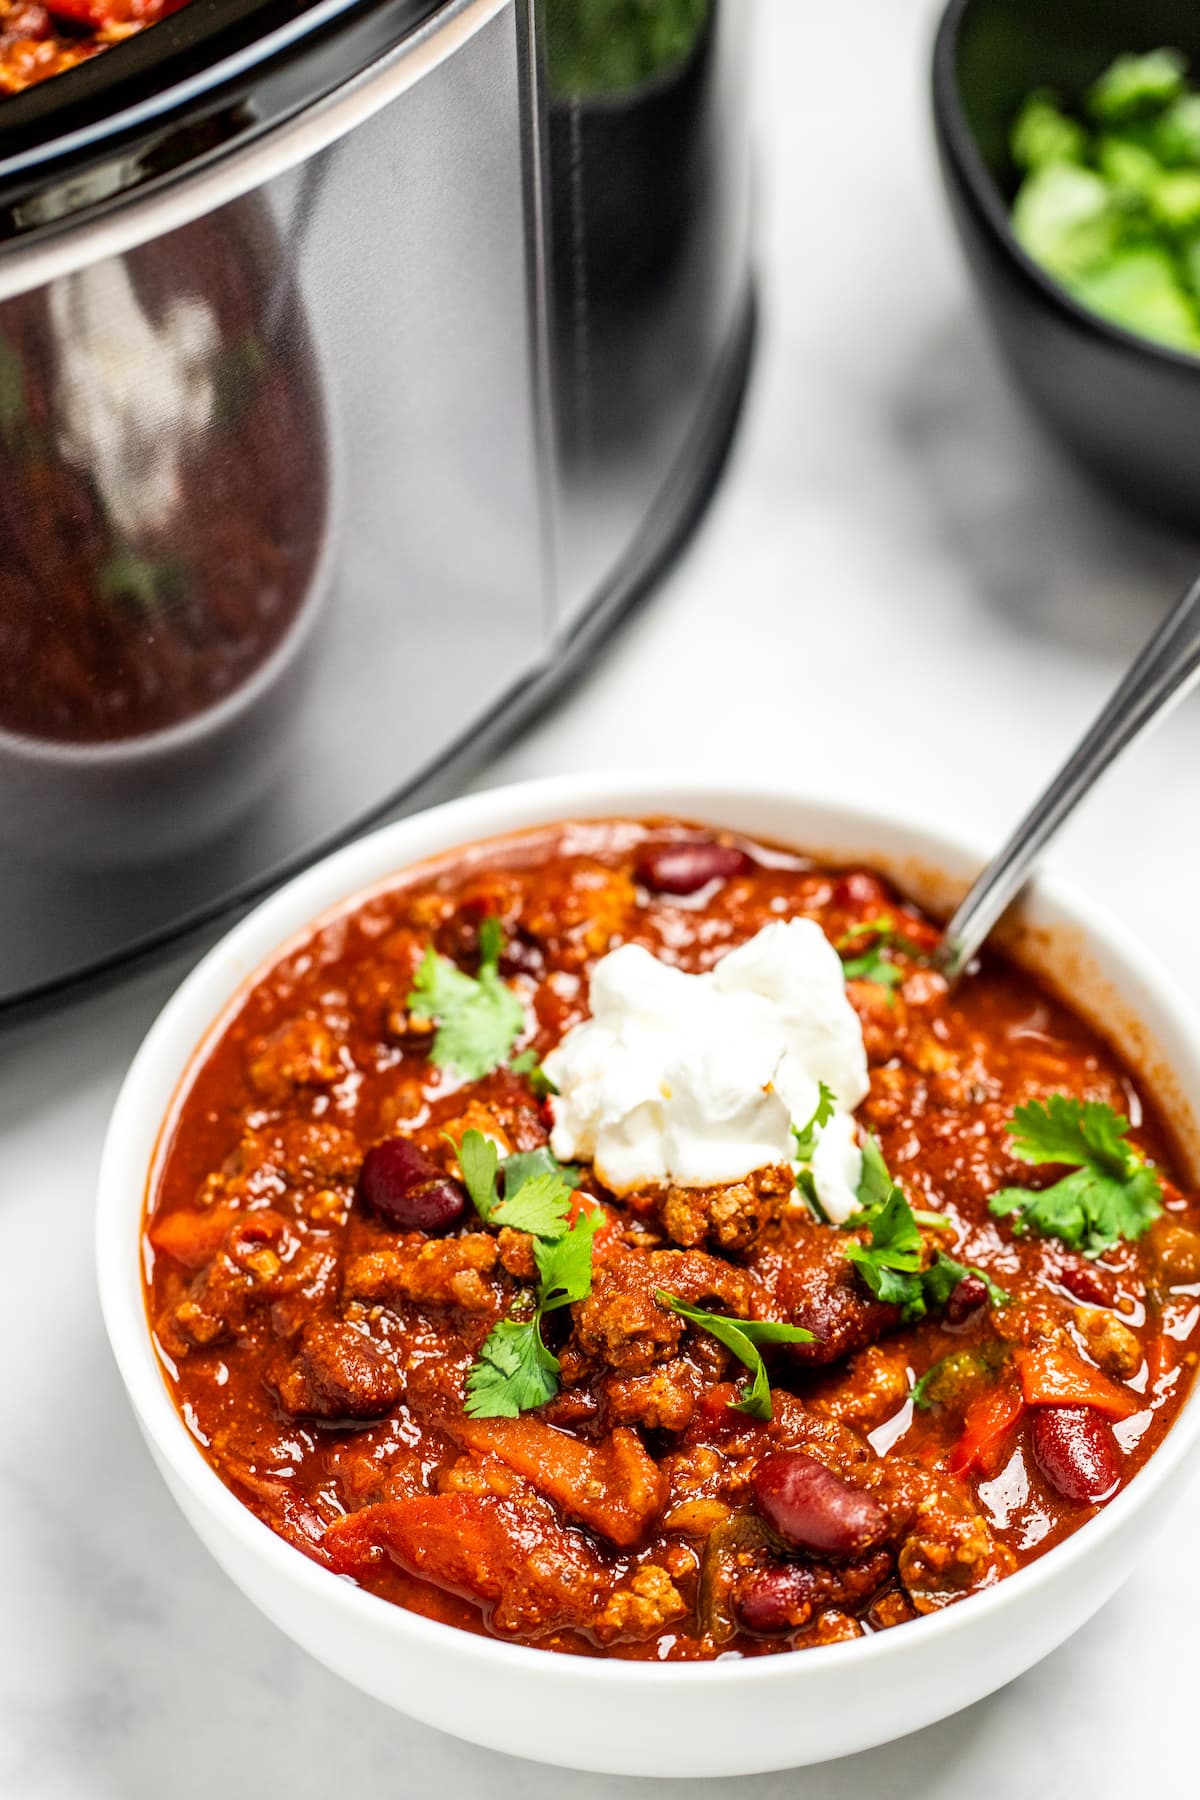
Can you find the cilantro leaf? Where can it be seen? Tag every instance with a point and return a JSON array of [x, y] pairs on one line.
[[1111, 1193], [540, 1205], [1066, 1130], [807, 1186], [491, 942], [478, 1016], [480, 1163], [872, 963], [806, 1135], [565, 1263], [875, 1184], [513, 1372], [527, 1063], [478, 1159], [891, 1263], [743, 1337], [523, 1165]]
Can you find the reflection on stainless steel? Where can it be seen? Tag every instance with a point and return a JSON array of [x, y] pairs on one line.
[[164, 480], [133, 393], [446, 387]]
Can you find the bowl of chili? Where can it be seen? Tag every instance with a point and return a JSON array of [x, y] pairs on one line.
[[522, 1437]]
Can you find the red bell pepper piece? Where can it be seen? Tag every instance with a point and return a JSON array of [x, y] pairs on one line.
[[1052, 1375], [988, 1421]]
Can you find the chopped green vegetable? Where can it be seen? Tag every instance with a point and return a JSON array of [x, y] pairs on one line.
[[1175, 199], [1111, 208], [1134, 86], [1130, 169], [743, 1337], [1176, 134], [951, 1380], [1044, 134], [1063, 216], [1139, 289], [478, 1016], [1113, 1192]]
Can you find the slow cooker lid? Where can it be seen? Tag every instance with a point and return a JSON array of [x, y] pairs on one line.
[[211, 74]]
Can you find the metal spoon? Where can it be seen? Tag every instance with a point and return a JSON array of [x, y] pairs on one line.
[[1162, 674]]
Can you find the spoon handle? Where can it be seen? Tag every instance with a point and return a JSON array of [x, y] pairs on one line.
[[1161, 675]]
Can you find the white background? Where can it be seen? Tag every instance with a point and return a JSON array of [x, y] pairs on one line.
[[902, 595]]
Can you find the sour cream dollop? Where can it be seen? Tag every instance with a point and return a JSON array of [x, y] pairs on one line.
[[697, 1080]]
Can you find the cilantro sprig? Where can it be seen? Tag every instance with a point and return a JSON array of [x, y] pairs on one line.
[[806, 1135], [514, 1370], [892, 1263], [536, 1185], [528, 1063], [805, 1148], [743, 1337], [1112, 1192], [478, 1017], [870, 962]]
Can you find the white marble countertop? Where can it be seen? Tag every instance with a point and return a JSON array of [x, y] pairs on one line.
[[890, 525]]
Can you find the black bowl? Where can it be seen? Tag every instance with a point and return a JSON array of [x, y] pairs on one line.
[[1128, 408]]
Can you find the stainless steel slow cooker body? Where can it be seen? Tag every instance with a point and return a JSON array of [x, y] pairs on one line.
[[334, 429]]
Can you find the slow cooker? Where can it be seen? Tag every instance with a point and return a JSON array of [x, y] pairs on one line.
[[359, 365]]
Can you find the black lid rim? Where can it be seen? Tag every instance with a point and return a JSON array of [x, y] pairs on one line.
[[218, 106], [171, 69]]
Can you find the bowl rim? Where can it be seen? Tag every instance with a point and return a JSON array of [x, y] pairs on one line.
[[193, 1014], [963, 150]]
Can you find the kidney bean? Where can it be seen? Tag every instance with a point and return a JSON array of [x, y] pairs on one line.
[[811, 1508], [400, 1183], [686, 868], [777, 1599], [968, 1298], [521, 956], [786, 1595], [861, 890], [1086, 1282], [1076, 1452]]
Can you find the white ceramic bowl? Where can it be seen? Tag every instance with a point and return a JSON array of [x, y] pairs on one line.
[[723, 1718]]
